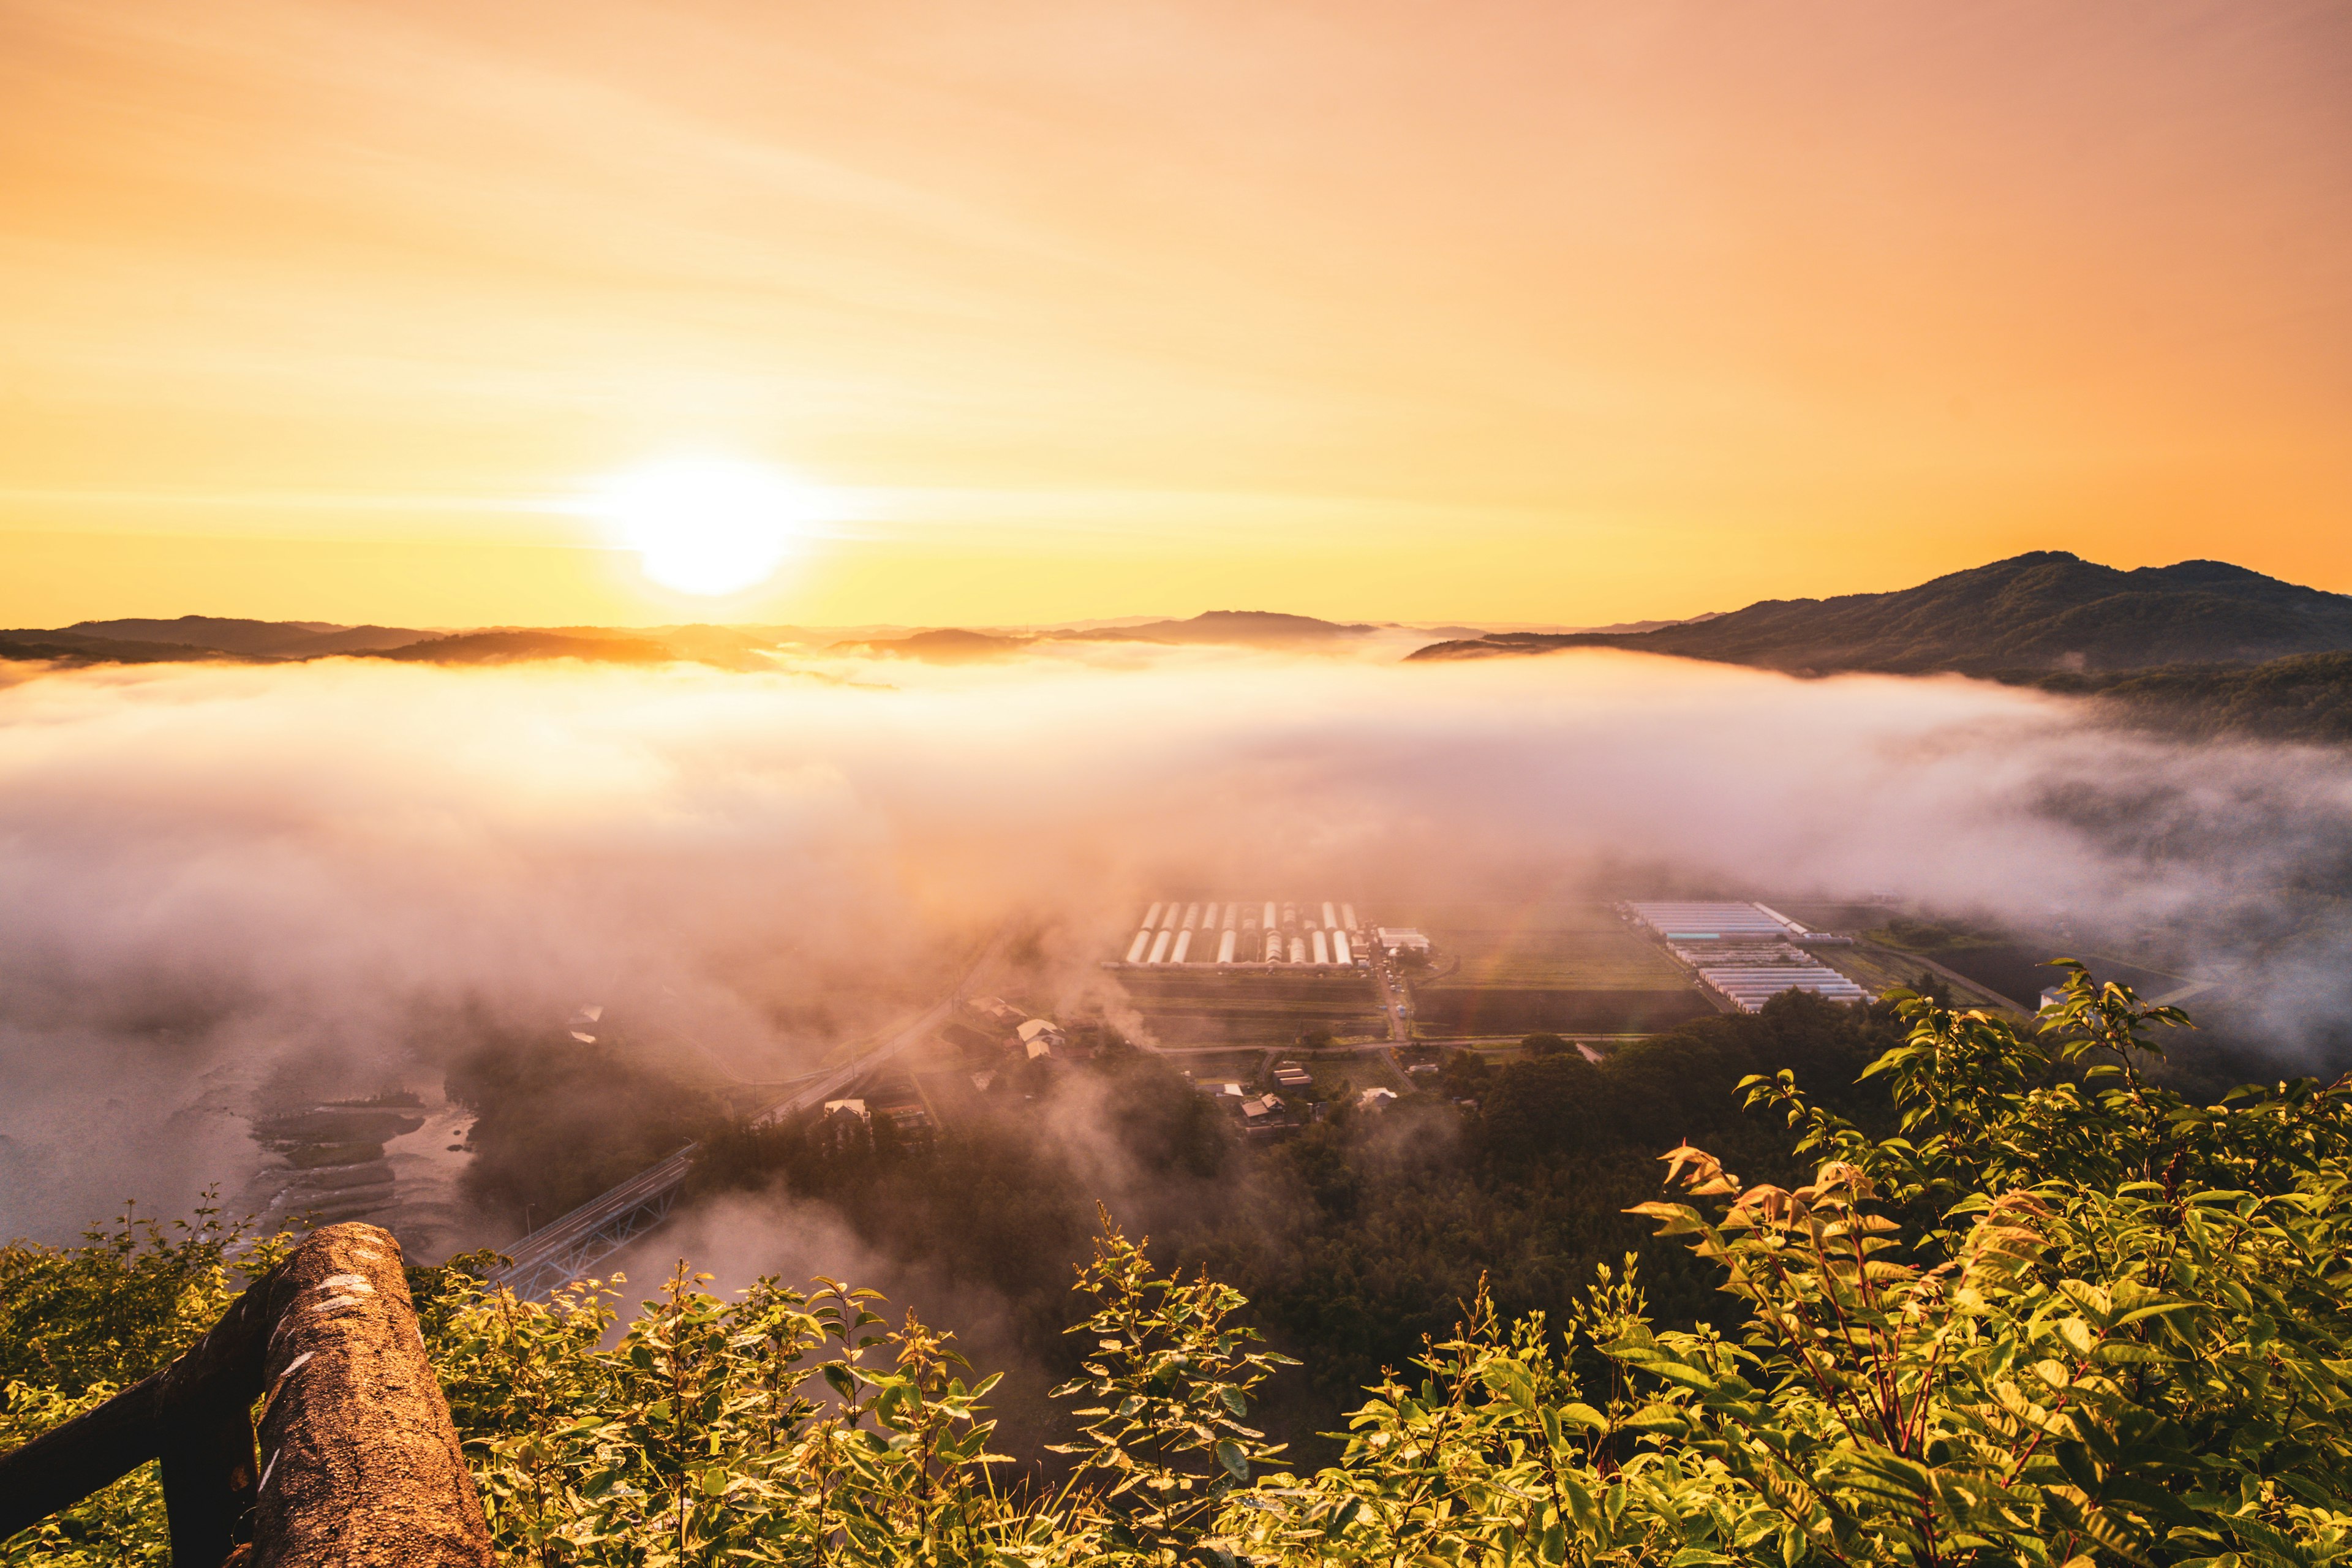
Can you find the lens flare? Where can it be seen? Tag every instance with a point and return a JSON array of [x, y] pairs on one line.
[[711, 525]]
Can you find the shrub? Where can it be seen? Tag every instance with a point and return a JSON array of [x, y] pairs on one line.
[[2059, 1316]]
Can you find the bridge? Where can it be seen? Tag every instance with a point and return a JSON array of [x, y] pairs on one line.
[[573, 1248]]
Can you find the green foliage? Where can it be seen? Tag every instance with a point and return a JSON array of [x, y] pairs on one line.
[[557, 1123], [123, 1303], [2054, 1314], [1354, 1240], [2306, 697], [78, 1324], [1167, 1445], [789, 1428], [121, 1526]]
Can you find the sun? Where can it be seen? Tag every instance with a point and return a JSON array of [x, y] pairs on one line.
[[711, 525]]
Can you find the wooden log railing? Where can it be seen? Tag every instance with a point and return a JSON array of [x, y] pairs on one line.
[[358, 1463]]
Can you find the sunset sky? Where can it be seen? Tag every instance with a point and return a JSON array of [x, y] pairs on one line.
[[1552, 314]]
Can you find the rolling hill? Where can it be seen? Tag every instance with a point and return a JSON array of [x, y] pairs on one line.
[[267, 639], [947, 645], [195, 638], [1251, 628], [2043, 611]]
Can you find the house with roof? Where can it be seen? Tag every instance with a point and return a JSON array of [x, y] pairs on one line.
[[1041, 1038]]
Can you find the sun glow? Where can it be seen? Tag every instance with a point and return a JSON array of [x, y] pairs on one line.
[[711, 525]]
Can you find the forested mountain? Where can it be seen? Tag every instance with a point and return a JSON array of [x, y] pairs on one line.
[[2305, 698], [2043, 611]]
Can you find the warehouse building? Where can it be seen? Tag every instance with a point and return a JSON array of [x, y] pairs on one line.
[[1746, 953], [1714, 922], [1749, 987]]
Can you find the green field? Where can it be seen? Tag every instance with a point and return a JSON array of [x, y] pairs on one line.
[[1552, 915], [1545, 947], [1879, 970], [1223, 1067], [1207, 1007]]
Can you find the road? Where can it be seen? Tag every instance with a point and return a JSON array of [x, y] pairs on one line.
[[1396, 1002], [570, 1248]]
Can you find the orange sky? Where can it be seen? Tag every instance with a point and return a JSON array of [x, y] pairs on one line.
[[1534, 313]]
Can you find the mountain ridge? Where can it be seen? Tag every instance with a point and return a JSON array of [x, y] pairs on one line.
[[2046, 611]]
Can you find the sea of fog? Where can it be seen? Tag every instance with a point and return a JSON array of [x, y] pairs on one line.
[[233, 886]]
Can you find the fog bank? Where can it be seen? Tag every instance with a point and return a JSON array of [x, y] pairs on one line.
[[225, 882]]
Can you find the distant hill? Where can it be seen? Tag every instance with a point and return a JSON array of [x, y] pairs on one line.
[[76, 647], [267, 640], [198, 637], [1249, 628], [2045, 612], [947, 644], [508, 647], [1241, 629]]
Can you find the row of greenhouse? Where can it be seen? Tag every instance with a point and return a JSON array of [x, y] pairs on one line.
[[1302, 934], [1746, 953]]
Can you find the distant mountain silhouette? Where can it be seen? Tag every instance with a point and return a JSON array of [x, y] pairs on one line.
[[191, 638], [1249, 628], [2043, 611], [507, 646], [75, 647], [267, 639], [1243, 628], [947, 645]]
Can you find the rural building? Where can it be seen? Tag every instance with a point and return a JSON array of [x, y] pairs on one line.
[[1728, 922], [1248, 934], [1042, 1037], [1744, 953], [1749, 987]]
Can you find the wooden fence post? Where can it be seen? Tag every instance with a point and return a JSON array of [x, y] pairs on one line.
[[359, 1464]]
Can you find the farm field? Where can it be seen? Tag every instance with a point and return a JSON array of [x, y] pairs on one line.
[[1223, 1067], [1208, 1008], [1441, 1011], [1879, 970], [2020, 972], [1561, 966], [1545, 947]]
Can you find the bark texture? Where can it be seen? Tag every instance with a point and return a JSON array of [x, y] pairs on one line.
[[360, 1466]]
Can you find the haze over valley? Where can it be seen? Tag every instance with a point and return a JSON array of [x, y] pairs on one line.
[[891, 786], [270, 886]]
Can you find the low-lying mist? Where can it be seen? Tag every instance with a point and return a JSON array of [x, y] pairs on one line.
[[222, 882]]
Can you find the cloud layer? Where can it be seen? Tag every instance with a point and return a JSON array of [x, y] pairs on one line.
[[216, 877]]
